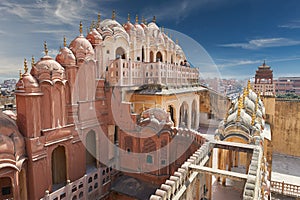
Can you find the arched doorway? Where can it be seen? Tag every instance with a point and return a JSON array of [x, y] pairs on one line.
[[90, 153], [183, 115], [194, 124], [143, 54], [151, 56], [59, 168], [159, 57], [172, 113], [120, 53], [6, 188]]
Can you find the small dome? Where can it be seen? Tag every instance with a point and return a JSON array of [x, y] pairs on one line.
[[111, 23], [12, 145], [82, 49], [139, 29], [66, 57], [94, 37], [152, 26], [129, 27], [48, 69], [27, 84]]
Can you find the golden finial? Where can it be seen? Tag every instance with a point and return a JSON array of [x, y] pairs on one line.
[[128, 17], [143, 107], [80, 28], [253, 118], [91, 27], [240, 106], [94, 24], [248, 85], [20, 74], [154, 19], [143, 20], [32, 61], [136, 19], [99, 20], [45, 48], [25, 65], [65, 41], [113, 15]]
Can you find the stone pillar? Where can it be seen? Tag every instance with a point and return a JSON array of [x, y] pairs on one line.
[[236, 159], [189, 120]]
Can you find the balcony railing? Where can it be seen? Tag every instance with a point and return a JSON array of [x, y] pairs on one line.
[[285, 188]]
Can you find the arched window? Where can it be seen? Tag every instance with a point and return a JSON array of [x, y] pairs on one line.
[[183, 116], [6, 188], [159, 57], [120, 53], [172, 113], [59, 167], [90, 152], [143, 54]]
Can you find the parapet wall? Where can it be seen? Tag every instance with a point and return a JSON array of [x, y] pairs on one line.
[[286, 127]]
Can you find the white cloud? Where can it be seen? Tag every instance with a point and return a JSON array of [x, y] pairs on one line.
[[291, 25], [264, 43], [224, 63], [180, 9]]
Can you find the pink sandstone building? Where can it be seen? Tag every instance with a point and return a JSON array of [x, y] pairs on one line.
[[114, 116]]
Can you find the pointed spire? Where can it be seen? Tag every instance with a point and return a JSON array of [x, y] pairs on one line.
[[176, 40], [113, 15], [65, 41], [128, 17], [136, 19], [45, 48], [264, 64], [154, 19], [32, 61], [80, 28], [20, 74], [25, 65]]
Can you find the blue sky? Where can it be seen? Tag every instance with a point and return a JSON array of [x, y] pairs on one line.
[[237, 34]]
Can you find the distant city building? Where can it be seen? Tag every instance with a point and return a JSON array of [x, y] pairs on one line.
[[263, 83], [287, 85]]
